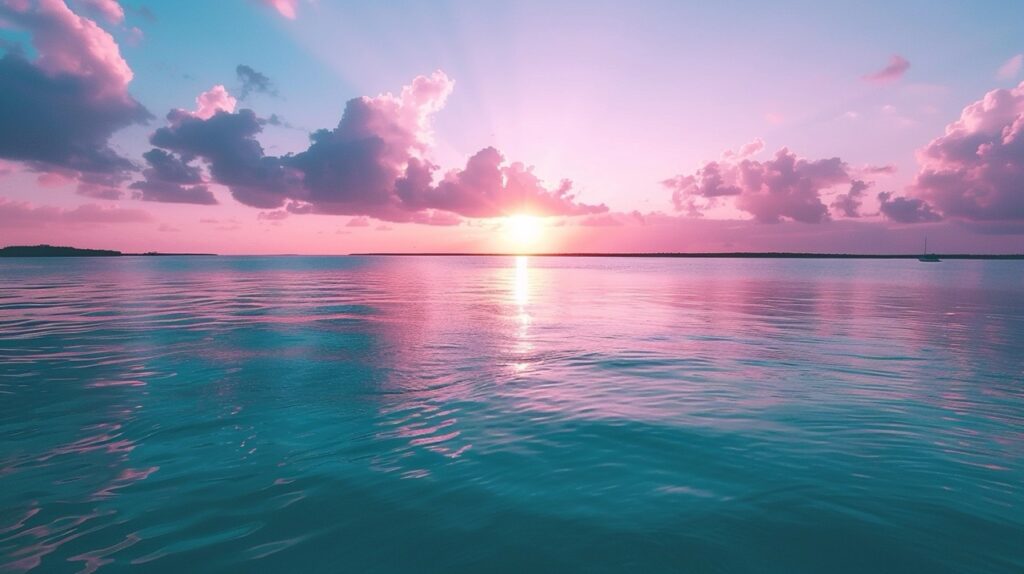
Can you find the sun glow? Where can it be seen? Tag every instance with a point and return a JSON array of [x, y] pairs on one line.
[[523, 231]]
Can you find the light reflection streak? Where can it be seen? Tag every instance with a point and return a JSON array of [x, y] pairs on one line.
[[521, 296]]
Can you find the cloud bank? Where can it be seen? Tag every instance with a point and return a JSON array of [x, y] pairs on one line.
[[975, 171], [785, 187], [59, 110], [14, 214], [373, 163]]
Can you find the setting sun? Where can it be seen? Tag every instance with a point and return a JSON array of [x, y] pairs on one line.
[[523, 231]]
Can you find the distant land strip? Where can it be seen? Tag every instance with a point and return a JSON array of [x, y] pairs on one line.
[[59, 251], [716, 255]]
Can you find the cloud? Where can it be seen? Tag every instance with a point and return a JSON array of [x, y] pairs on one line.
[[23, 214], [253, 82], [975, 170], [358, 222], [226, 141], [752, 148], [59, 110], [898, 65], [109, 10], [488, 188], [216, 99], [436, 217], [1011, 68], [848, 204], [372, 163], [170, 179], [784, 187], [143, 12], [905, 209], [286, 8], [887, 169], [277, 215]]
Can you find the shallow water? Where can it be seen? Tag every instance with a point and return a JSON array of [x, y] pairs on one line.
[[511, 415]]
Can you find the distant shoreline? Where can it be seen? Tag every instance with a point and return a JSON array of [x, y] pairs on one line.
[[713, 255], [60, 251]]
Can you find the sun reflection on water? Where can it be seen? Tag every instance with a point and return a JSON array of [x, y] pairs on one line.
[[521, 297]]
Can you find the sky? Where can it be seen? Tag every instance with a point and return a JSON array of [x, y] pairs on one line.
[[329, 127]]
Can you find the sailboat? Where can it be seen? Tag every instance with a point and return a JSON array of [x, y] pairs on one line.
[[928, 257]]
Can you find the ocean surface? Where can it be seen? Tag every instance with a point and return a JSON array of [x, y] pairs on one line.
[[503, 414]]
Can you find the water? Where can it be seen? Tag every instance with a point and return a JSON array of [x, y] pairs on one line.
[[511, 415]]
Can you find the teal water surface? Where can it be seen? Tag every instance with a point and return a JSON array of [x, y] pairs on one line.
[[502, 414]]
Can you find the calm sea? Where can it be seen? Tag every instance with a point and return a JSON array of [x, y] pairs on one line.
[[359, 414]]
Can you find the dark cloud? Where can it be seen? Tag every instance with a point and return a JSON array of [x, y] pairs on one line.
[[57, 120], [227, 142], [59, 110], [905, 209], [253, 82], [170, 179]]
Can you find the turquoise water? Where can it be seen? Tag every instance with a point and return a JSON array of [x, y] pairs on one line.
[[304, 414]]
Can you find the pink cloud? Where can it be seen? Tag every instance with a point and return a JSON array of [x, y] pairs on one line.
[[358, 222], [1011, 68], [71, 44], [109, 10], [751, 148], [784, 187], [286, 8], [975, 171], [272, 215], [436, 217], [887, 169], [23, 214], [898, 65], [488, 188], [216, 99], [54, 179]]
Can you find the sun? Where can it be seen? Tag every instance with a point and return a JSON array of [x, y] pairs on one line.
[[523, 231]]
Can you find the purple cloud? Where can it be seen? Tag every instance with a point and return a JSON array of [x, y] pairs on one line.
[[170, 179], [898, 65], [784, 187], [372, 163], [59, 110], [905, 209], [975, 171], [848, 204]]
